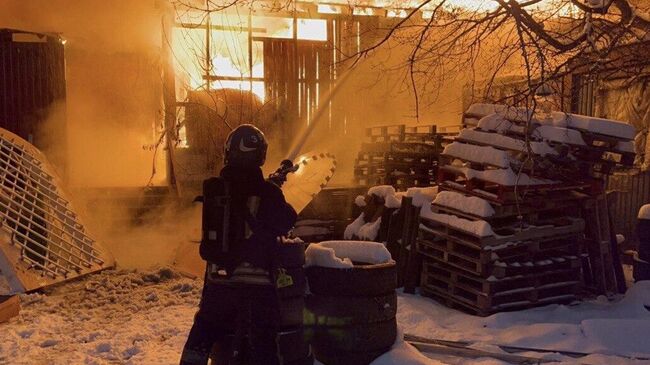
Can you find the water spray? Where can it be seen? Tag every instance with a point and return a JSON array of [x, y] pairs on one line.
[[287, 166], [307, 130]]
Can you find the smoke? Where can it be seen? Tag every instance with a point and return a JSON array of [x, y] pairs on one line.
[[114, 107], [101, 139]]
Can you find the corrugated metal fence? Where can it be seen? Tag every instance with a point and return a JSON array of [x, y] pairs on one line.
[[32, 77], [633, 192]]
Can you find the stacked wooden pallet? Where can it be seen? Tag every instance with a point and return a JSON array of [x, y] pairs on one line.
[[507, 229], [400, 156], [486, 257]]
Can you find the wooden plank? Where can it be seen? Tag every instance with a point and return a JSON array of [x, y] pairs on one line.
[[474, 354], [414, 260], [514, 233], [9, 307]]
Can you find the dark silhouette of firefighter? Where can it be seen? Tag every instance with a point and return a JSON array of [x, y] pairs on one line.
[[243, 216]]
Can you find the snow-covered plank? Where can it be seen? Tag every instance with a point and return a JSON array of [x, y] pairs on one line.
[[468, 204], [478, 228], [504, 177], [505, 142], [498, 123], [479, 154], [509, 112], [558, 135], [602, 126]]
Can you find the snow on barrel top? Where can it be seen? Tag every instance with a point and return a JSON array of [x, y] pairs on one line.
[[341, 254], [644, 212]]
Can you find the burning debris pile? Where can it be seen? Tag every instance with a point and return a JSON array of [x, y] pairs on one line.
[[507, 230]]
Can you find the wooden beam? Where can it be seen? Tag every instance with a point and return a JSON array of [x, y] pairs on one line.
[[9, 307]]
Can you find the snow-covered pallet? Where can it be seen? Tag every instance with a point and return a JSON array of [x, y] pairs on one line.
[[484, 296], [534, 213], [452, 178], [514, 258], [558, 227]]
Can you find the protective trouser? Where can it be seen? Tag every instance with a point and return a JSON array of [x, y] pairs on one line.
[[217, 321]]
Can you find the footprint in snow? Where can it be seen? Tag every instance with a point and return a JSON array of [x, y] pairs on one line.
[[49, 343], [26, 333]]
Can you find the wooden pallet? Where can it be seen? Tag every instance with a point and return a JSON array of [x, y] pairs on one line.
[[400, 182], [519, 260], [569, 244], [518, 302], [447, 278], [402, 133], [558, 227], [451, 179], [407, 148], [510, 214]]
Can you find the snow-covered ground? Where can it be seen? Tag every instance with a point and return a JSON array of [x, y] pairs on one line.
[[127, 317]]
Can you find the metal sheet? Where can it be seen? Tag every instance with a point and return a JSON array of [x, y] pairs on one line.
[[42, 240]]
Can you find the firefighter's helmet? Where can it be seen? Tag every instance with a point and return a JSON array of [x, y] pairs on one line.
[[245, 146]]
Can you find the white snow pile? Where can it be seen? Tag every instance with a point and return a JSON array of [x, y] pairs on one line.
[[480, 154], [479, 228], [644, 212], [592, 124], [505, 142], [113, 317], [606, 329], [468, 204], [422, 196], [361, 229], [342, 254], [387, 192]]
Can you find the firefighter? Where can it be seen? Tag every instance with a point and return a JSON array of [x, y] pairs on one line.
[[240, 275]]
